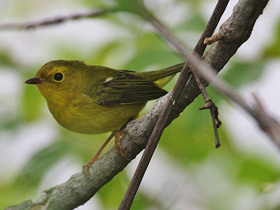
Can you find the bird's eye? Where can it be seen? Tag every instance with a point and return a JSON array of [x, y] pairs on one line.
[[58, 76]]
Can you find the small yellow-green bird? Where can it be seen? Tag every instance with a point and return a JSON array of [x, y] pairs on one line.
[[96, 99]]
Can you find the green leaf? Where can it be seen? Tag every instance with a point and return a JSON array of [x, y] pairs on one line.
[[84, 146], [112, 194], [10, 124], [240, 73], [131, 6], [195, 23], [190, 138], [95, 4], [100, 57], [12, 194], [151, 57], [255, 171], [37, 166], [5, 59], [273, 50], [143, 201], [152, 51]]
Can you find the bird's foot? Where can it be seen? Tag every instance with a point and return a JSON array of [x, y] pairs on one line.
[[90, 162], [118, 145]]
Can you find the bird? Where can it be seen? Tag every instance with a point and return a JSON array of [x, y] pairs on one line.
[[92, 99]]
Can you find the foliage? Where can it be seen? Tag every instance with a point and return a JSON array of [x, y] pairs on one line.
[[188, 141]]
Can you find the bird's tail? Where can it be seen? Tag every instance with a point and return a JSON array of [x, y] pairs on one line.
[[163, 76]]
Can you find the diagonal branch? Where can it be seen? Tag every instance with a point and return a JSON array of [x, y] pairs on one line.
[[175, 95], [53, 20], [180, 47], [80, 188]]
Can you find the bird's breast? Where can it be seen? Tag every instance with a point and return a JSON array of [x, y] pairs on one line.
[[83, 115]]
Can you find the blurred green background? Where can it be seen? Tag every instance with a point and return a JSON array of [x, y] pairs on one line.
[[187, 172]]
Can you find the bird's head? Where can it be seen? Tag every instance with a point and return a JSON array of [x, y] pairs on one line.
[[59, 79]]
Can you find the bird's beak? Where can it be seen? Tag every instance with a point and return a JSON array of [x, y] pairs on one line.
[[34, 80]]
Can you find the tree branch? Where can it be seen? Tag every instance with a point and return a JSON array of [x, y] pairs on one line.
[[266, 122], [53, 20], [80, 188], [175, 95]]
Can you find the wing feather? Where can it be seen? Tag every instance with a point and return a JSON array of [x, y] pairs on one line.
[[125, 87]]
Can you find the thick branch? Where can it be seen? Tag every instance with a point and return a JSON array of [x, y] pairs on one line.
[[80, 188]]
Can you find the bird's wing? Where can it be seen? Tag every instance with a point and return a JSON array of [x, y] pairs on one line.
[[124, 87]]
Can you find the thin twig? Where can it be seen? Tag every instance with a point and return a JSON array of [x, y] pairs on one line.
[[164, 117], [221, 6], [209, 104], [214, 115], [53, 20], [266, 122], [273, 129]]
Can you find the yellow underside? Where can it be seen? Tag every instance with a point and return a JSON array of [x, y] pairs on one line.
[[90, 118]]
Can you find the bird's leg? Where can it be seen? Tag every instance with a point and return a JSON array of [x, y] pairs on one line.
[[96, 156], [117, 134], [118, 146]]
